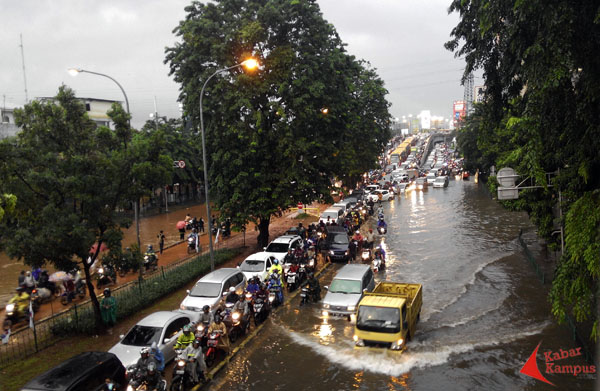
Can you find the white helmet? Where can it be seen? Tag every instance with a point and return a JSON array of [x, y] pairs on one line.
[[231, 289]]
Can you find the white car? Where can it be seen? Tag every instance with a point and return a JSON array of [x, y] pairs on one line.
[[209, 290], [386, 195], [441, 181], [257, 265], [279, 247], [430, 178], [162, 327]]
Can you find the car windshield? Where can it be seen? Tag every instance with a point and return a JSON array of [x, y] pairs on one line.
[[206, 289], [142, 336], [251, 265], [440, 179], [277, 248], [340, 239], [344, 286], [379, 319]]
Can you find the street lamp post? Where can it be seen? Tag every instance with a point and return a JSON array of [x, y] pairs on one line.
[[74, 72], [249, 64]]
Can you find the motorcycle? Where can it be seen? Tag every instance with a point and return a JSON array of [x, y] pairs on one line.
[[150, 261], [378, 265], [226, 232], [239, 326], [212, 344], [292, 280], [366, 255], [78, 291], [382, 230], [106, 276], [182, 380], [260, 310], [306, 295], [39, 296], [191, 248], [142, 385], [14, 316]]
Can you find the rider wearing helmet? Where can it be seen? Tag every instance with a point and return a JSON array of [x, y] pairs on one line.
[[141, 366], [158, 356], [275, 285], [219, 327], [276, 268], [206, 317], [153, 379], [232, 296], [185, 338], [197, 366]]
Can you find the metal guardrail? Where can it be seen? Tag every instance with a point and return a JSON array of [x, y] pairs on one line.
[[531, 259]]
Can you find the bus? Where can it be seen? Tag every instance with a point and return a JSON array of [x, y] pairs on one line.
[[401, 153]]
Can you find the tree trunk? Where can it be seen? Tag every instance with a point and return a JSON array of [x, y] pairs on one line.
[[93, 297], [263, 232]]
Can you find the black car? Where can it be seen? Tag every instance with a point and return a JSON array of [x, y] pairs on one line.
[[336, 244], [84, 372]]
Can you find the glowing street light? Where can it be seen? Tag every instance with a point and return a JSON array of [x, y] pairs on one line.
[[249, 64]]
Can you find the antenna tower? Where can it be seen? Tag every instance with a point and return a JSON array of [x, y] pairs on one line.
[[24, 76]]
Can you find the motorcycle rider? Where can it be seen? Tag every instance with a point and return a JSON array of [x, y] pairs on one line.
[[380, 254], [153, 378], [185, 338], [152, 259], [382, 224], [196, 365], [276, 267], [194, 235], [253, 285], [313, 286], [275, 284], [359, 240], [29, 282], [206, 317], [158, 356], [142, 364], [21, 300], [232, 296], [219, 327], [288, 259], [243, 307]]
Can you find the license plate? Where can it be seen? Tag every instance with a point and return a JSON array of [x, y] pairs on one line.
[[302, 294], [179, 372]]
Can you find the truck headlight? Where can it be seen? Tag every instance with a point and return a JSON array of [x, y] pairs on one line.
[[326, 306], [351, 307], [358, 341]]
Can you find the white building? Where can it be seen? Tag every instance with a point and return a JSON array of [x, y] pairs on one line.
[[7, 123]]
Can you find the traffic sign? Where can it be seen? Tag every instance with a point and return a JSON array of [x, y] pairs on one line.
[[178, 164], [300, 206], [181, 164]]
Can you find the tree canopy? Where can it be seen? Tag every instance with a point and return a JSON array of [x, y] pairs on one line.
[[69, 178], [540, 115], [279, 135]]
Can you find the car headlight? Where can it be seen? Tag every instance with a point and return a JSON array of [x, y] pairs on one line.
[[326, 306], [351, 307], [182, 307], [331, 252], [346, 252]]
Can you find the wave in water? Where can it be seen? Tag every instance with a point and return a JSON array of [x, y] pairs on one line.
[[419, 355]]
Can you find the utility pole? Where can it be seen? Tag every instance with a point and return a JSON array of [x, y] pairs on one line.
[[24, 76]]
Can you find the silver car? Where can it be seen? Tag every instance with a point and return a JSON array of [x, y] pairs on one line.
[[162, 327], [346, 290]]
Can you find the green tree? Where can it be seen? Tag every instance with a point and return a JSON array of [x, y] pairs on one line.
[[69, 178], [279, 136], [540, 115]]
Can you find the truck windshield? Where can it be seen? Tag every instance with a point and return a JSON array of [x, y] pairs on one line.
[[378, 319], [344, 286]]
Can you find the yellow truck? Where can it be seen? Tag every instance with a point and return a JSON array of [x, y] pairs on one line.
[[387, 317]]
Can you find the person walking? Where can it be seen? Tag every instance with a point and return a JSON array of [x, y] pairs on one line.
[[201, 225], [161, 241], [108, 310]]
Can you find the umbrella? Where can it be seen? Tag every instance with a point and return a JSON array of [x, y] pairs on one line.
[[60, 276], [95, 246], [180, 224]]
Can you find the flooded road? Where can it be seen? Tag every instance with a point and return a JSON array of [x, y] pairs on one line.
[[484, 311], [149, 228]]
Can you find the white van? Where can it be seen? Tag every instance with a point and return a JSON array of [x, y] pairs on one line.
[[332, 214]]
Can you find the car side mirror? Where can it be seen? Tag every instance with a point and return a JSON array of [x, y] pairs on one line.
[[167, 340], [326, 287], [264, 249], [121, 336], [187, 291]]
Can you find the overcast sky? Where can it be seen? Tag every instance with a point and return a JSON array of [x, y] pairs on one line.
[[125, 39]]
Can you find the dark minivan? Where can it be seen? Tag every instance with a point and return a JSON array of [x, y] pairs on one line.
[[336, 244], [84, 372]]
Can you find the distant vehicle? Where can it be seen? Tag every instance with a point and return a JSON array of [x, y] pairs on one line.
[[421, 183], [371, 188], [441, 181], [401, 187], [85, 371], [386, 195], [431, 178], [346, 289], [162, 327], [257, 265]]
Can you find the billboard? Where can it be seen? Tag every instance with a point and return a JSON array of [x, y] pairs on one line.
[[459, 112], [425, 117]]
